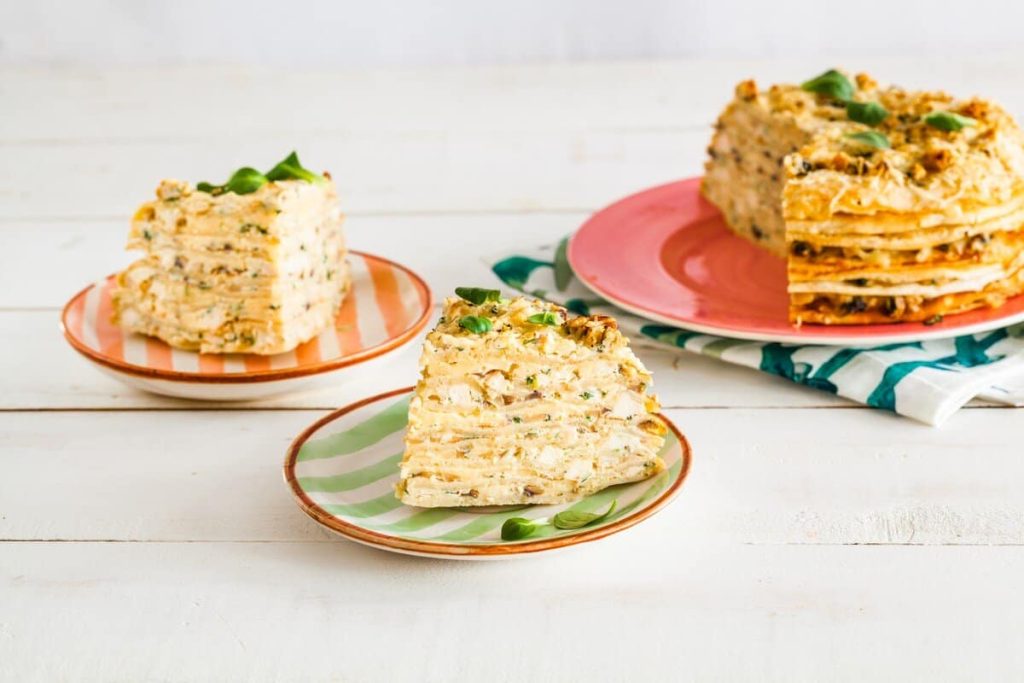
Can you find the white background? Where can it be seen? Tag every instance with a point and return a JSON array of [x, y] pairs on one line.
[[330, 33]]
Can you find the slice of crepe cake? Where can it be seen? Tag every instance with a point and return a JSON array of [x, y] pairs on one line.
[[519, 403]]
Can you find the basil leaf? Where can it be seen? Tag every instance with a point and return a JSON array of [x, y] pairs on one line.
[[475, 324], [477, 295], [870, 113], [516, 528], [290, 169], [871, 138], [545, 318], [209, 188], [573, 519], [831, 84], [245, 181], [948, 121]]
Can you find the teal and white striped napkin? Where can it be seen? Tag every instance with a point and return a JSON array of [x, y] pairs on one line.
[[926, 381]]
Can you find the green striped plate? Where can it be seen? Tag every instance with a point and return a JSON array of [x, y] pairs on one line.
[[343, 469]]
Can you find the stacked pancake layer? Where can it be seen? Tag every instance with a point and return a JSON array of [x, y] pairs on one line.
[[254, 273], [526, 412], [931, 225]]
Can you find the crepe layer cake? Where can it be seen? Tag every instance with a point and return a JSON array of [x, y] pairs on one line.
[[531, 406], [889, 205], [259, 273]]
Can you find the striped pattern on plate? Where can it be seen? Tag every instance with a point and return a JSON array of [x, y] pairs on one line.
[[344, 468], [387, 306]]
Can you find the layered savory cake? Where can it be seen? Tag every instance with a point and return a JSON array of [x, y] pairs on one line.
[[518, 402], [255, 269], [889, 205]]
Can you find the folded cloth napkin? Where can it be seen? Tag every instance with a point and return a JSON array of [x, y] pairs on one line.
[[926, 381]]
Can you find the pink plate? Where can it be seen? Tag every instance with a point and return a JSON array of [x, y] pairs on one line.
[[665, 254]]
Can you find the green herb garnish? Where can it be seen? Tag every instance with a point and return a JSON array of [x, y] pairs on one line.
[[870, 113], [948, 121], [478, 295], [516, 528], [475, 324], [586, 396], [546, 318], [871, 138], [831, 84], [573, 519], [247, 180], [291, 169]]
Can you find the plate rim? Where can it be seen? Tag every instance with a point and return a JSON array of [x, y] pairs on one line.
[[257, 375], [388, 542], [796, 337]]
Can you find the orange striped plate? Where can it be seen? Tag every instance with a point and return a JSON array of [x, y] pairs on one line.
[[387, 306]]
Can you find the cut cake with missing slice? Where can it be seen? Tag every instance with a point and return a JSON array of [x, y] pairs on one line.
[[889, 205]]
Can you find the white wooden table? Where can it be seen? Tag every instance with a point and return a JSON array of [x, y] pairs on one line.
[[146, 538]]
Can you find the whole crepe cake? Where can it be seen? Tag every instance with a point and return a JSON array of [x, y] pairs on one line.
[[256, 265], [519, 402], [889, 205]]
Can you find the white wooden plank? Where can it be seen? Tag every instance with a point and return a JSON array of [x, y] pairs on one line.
[[759, 476], [377, 172], [190, 102], [41, 371], [492, 139], [648, 605], [205, 102]]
